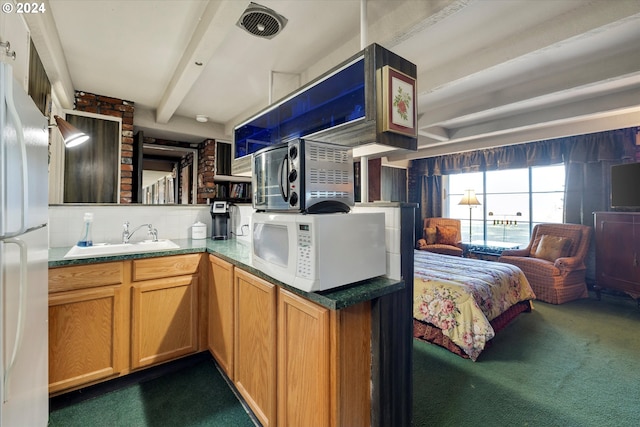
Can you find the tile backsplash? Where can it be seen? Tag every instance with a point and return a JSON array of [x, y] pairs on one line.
[[172, 222], [175, 221], [392, 235]]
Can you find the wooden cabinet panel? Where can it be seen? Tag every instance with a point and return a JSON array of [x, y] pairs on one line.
[[85, 276], [618, 251], [156, 268], [99, 331], [255, 344], [351, 369], [220, 333], [303, 362], [85, 337], [164, 320]]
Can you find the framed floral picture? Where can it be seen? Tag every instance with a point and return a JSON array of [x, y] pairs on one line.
[[399, 102]]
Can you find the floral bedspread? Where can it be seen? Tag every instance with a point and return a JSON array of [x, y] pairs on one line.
[[461, 296]]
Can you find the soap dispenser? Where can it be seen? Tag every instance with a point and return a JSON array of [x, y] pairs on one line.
[[85, 234]]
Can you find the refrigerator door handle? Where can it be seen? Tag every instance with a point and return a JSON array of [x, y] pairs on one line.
[[19, 333], [12, 114]]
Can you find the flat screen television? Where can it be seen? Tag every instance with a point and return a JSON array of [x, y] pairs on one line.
[[625, 186]]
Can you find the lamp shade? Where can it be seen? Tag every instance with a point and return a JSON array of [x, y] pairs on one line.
[[469, 198], [70, 134]]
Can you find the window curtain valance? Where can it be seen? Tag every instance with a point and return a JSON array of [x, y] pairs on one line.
[[602, 146], [587, 160], [614, 146]]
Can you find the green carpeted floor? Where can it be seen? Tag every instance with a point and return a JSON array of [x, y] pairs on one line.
[[574, 364], [195, 395]]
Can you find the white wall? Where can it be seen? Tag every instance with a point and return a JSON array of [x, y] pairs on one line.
[[174, 222]]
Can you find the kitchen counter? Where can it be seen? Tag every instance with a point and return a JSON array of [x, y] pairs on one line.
[[238, 253]]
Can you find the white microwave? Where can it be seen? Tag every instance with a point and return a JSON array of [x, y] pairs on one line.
[[319, 251]]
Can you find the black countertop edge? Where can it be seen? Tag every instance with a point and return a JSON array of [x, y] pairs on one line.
[[238, 253], [387, 205]]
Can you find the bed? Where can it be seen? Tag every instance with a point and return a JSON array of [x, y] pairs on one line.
[[460, 303]]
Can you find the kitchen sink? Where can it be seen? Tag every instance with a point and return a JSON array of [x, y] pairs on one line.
[[105, 249]]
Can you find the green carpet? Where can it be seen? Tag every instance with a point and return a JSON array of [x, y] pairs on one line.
[[574, 364], [196, 395]]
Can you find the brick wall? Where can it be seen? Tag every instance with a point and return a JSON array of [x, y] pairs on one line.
[[206, 170], [92, 103]]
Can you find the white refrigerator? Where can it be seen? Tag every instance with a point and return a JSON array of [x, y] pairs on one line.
[[23, 257]]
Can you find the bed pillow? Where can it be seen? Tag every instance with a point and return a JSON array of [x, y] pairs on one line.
[[430, 235], [446, 235], [552, 247]]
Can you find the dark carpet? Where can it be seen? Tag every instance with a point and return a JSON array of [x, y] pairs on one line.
[[194, 395], [568, 365], [574, 364]]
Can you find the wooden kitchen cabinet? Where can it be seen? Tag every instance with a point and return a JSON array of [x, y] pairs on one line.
[[303, 362], [324, 363], [254, 354], [106, 319], [295, 362], [164, 309], [618, 252], [87, 337], [220, 331]]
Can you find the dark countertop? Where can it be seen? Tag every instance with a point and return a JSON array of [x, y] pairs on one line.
[[238, 253]]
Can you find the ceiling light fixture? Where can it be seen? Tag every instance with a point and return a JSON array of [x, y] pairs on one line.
[[202, 118], [70, 134]]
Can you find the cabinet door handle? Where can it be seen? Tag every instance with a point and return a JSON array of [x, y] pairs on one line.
[[635, 259]]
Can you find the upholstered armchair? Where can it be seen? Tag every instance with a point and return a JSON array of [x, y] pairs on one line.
[[441, 235], [553, 262]]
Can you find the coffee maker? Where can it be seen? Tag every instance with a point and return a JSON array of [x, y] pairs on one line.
[[220, 220]]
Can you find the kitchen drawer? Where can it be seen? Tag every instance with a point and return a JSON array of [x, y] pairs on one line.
[[85, 276], [156, 268]]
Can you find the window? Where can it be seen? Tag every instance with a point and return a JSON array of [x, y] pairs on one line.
[[512, 201]]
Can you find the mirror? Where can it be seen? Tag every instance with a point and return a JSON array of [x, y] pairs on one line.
[[168, 175], [89, 172], [160, 173]]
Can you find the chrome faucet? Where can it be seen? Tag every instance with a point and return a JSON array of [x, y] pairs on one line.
[[126, 234]]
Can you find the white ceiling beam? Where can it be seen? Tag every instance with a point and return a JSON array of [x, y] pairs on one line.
[[613, 111], [180, 128], [544, 131], [590, 18], [435, 132], [574, 95], [604, 74], [218, 18], [596, 106]]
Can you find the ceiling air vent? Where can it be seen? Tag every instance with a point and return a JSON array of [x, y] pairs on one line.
[[261, 21]]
